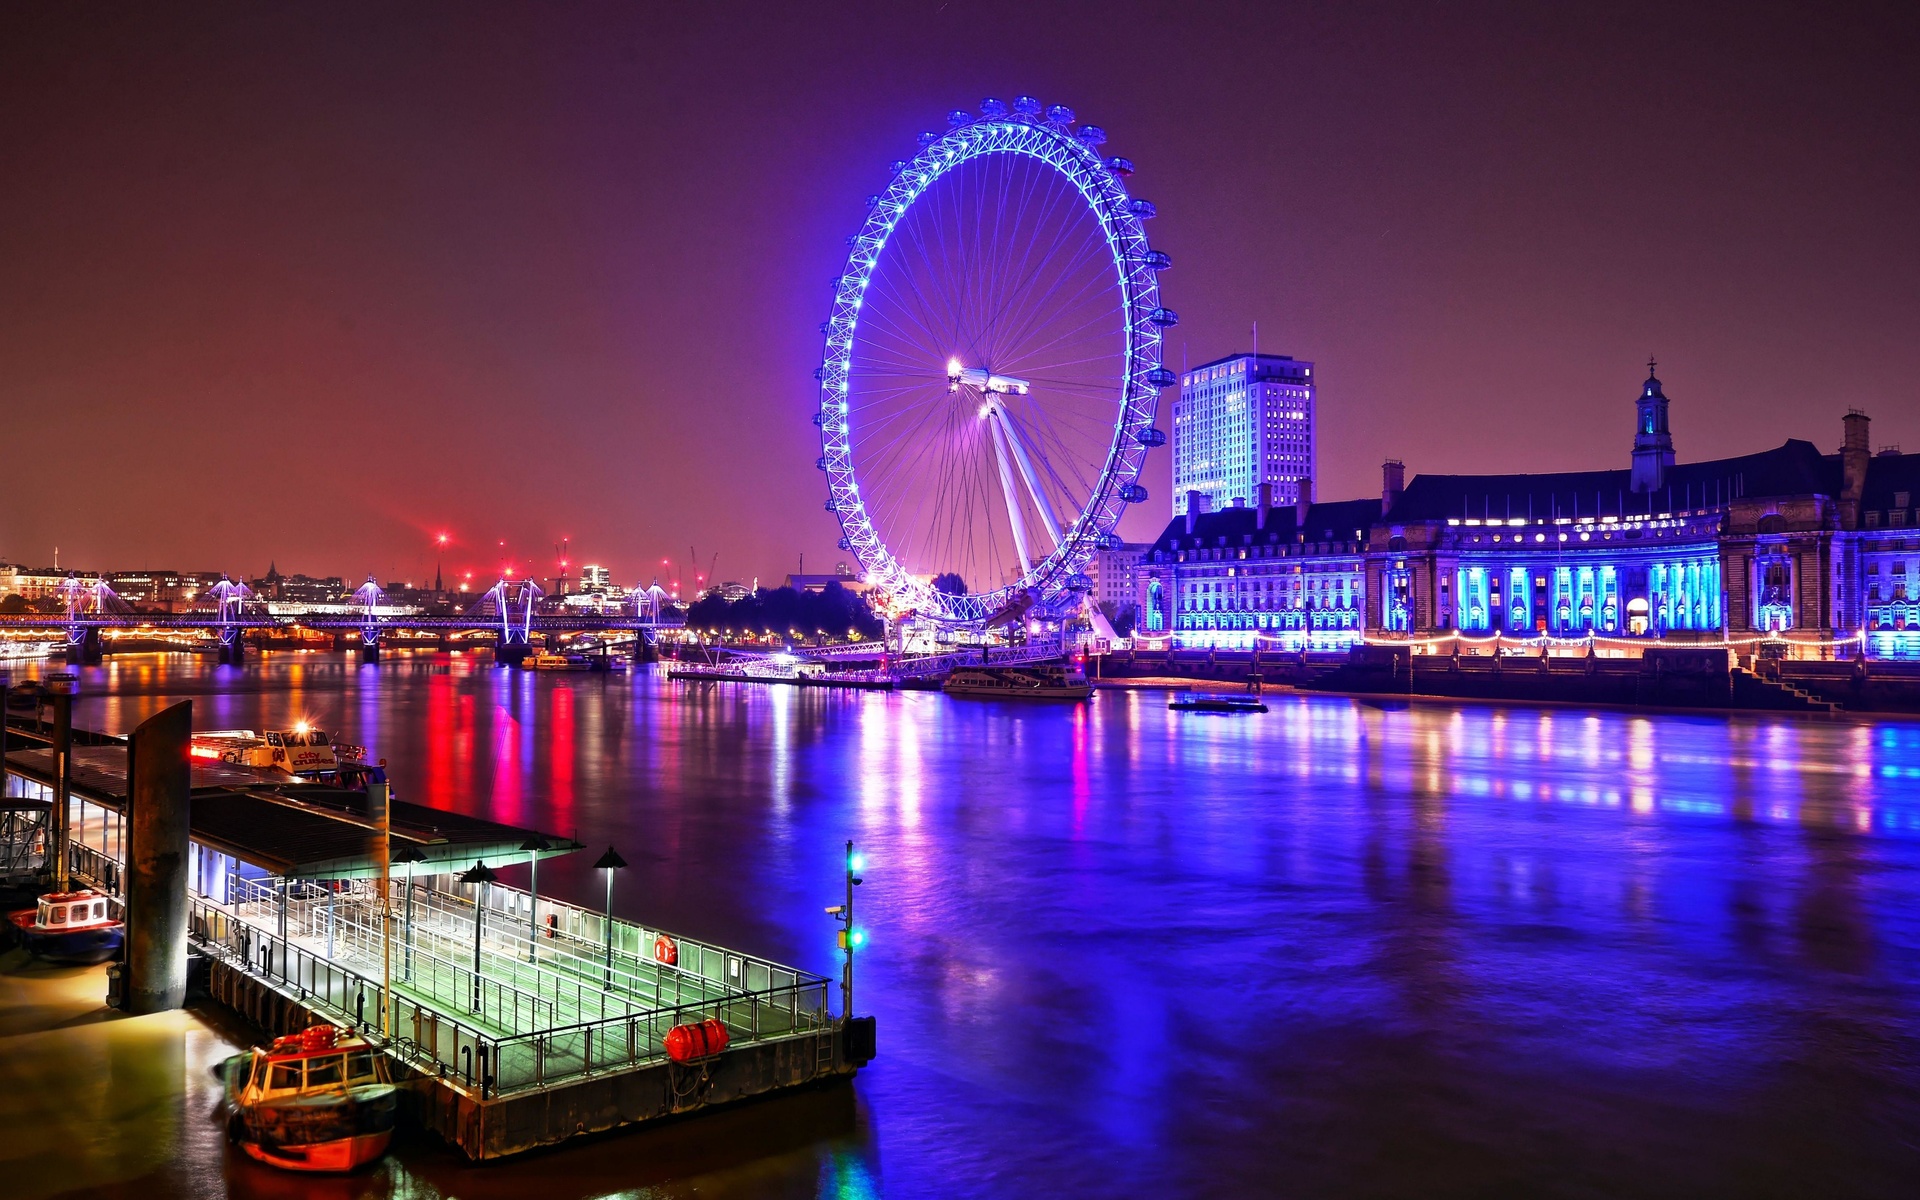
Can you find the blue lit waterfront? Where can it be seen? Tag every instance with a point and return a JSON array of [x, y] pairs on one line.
[[1337, 949]]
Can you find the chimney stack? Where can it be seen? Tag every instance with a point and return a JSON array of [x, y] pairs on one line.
[[1300, 507], [1195, 500], [1393, 481], [1265, 502], [1854, 453]]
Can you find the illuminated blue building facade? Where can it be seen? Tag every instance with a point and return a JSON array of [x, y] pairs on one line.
[[1817, 553]]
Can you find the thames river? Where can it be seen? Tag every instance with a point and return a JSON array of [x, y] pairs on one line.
[[1339, 949]]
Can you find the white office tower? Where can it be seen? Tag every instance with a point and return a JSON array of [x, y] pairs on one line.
[[1240, 422]]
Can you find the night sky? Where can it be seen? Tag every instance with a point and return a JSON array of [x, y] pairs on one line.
[[313, 283]]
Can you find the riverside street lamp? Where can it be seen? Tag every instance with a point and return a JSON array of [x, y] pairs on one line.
[[609, 862], [480, 875]]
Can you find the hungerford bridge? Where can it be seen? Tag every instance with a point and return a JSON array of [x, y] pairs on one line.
[[509, 611]]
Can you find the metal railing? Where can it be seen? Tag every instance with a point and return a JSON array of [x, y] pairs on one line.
[[518, 1038]]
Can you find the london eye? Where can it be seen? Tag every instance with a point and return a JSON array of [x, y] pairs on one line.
[[992, 367]]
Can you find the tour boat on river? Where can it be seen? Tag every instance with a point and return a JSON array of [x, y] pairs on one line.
[[317, 1100], [1030, 681], [304, 752], [70, 927]]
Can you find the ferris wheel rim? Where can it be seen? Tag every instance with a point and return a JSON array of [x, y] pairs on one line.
[[1053, 143]]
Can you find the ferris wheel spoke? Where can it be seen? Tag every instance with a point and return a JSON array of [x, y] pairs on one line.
[[1089, 287], [1026, 271]]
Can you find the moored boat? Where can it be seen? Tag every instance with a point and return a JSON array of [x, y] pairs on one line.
[[304, 752], [70, 927], [1227, 703], [318, 1100], [1030, 681]]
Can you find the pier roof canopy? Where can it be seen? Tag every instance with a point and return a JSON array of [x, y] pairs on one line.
[[302, 831]]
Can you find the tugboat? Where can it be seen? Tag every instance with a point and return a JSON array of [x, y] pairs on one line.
[[317, 1100], [70, 927]]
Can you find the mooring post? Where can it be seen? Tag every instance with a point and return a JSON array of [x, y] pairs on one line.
[[156, 920], [62, 776]]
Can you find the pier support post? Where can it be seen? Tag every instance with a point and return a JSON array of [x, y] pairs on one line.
[[160, 778], [62, 817]]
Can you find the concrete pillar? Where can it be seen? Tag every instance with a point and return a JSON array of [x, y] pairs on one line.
[[157, 762]]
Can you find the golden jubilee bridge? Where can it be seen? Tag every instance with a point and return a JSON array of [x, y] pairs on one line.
[[508, 615]]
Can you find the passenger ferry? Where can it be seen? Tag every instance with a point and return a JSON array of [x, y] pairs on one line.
[[317, 1100], [560, 662], [27, 651], [70, 927], [1032, 681], [303, 752]]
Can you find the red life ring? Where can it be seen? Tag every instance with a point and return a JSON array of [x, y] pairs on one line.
[[665, 950]]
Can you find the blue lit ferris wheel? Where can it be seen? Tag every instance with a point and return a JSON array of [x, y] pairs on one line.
[[993, 366]]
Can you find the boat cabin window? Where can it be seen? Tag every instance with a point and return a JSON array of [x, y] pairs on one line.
[[274, 739], [99, 910], [323, 1071], [284, 1075], [360, 1067], [58, 915]]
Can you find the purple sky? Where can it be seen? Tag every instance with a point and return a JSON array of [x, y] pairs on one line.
[[313, 285]]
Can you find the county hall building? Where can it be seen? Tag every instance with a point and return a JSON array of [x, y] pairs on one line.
[[1816, 550]]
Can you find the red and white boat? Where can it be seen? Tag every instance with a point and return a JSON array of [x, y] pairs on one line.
[[318, 1100], [70, 927]]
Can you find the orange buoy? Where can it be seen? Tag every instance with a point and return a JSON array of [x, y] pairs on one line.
[[686, 1043], [666, 950]]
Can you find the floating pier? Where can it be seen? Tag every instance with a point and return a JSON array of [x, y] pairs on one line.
[[519, 1021]]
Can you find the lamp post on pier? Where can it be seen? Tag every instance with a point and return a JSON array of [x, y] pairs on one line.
[[480, 875], [850, 939], [409, 855], [534, 846], [609, 862]]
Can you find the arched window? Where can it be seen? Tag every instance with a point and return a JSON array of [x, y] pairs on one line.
[[1773, 523]]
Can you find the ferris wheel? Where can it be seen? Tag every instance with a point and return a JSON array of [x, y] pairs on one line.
[[993, 366]]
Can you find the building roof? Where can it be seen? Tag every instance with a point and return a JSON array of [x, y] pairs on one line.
[[1263, 358], [303, 831], [1796, 468], [1341, 520], [1888, 474]]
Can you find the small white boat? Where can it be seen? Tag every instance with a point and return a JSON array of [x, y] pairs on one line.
[[1030, 681]]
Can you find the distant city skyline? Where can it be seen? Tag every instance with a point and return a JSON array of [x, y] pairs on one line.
[[315, 285]]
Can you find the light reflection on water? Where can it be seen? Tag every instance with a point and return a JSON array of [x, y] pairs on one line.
[[1337, 949]]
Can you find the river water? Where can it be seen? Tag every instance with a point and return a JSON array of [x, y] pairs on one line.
[[1340, 949]]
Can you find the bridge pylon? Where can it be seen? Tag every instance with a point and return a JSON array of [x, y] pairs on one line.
[[84, 646]]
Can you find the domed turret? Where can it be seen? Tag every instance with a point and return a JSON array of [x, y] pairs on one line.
[[1652, 442]]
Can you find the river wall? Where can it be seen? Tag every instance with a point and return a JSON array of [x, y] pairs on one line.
[[1662, 677]]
